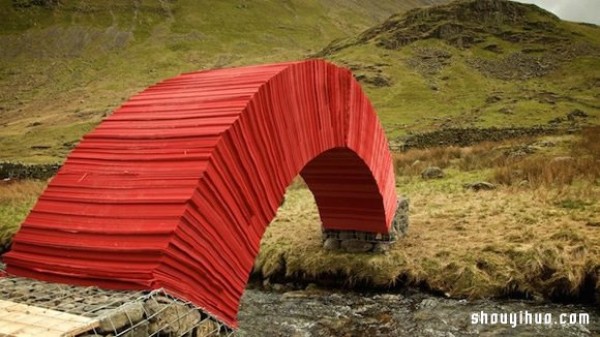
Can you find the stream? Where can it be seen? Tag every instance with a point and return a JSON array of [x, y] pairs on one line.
[[315, 312]]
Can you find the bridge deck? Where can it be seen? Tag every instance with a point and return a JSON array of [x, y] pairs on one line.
[[22, 320]]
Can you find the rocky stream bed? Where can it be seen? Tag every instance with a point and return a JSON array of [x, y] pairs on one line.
[[316, 313], [307, 311]]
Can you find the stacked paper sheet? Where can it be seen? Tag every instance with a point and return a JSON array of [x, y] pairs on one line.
[[177, 186]]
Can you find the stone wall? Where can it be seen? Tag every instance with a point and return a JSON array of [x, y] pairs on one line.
[[362, 242], [468, 136], [9, 171]]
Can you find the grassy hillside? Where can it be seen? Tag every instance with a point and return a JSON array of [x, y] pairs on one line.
[[476, 64], [64, 67], [472, 64]]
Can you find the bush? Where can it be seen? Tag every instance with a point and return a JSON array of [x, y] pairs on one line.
[[39, 3]]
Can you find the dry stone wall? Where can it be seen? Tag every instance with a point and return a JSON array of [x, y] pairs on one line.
[[11, 171], [363, 242], [468, 136]]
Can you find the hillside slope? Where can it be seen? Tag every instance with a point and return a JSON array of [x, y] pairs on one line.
[[476, 63], [64, 66]]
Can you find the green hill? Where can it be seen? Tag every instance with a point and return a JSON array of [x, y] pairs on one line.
[[66, 64], [483, 63]]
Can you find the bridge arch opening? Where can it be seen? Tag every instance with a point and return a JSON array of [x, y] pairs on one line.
[[345, 191]]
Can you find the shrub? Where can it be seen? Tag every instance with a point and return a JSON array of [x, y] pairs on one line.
[[39, 3]]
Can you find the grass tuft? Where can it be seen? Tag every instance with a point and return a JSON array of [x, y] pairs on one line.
[[16, 199]]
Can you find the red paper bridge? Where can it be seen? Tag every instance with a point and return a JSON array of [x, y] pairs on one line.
[[175, 189]]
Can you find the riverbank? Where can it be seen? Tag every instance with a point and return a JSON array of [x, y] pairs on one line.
[[505, 243], [294, 310], [534, 234]]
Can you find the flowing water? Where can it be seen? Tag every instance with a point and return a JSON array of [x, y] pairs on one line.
[[307, 313]]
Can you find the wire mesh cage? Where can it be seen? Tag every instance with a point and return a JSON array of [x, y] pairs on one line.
[[65, 310]]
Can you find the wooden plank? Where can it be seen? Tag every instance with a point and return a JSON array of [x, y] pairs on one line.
[[21, 320], [81, 329]]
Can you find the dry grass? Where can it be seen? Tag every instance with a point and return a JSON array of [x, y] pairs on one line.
[[504, 242], [580, 163], [514, 162], [16, 199], [413, 161], [538, 240], [545, 171], [589, 144], [476, 157]]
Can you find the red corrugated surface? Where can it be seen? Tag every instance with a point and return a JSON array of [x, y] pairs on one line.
[[177, 186]]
